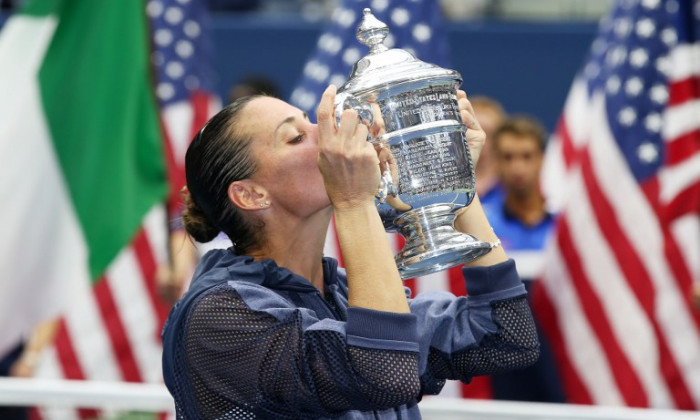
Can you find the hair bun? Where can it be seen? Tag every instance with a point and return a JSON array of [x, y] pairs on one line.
[[196, 223]]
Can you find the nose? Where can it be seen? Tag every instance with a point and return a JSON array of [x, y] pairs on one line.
[[519, 165]]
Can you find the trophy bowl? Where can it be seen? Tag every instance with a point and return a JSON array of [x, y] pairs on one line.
[[427, 170]]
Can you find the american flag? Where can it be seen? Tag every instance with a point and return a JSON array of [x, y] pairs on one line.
[[615, 296], [182, 57], [112, 332], [416, 26]]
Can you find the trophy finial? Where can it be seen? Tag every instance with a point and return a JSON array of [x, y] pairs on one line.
[[372, 32]]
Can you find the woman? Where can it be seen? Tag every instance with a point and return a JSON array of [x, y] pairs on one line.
[[271, 329]]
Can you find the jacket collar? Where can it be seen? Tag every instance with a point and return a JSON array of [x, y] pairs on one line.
[[263, 272]]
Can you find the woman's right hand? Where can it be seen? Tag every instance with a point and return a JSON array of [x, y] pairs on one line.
[[348, 162], [350, 168]]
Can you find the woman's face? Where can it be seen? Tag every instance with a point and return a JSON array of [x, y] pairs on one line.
[[284, 145]]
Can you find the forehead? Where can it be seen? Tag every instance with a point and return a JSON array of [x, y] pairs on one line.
[[487, 112], [262, 115], [508, 140]]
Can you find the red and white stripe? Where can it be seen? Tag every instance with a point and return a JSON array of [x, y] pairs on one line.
[[614, 299], [112, 330]]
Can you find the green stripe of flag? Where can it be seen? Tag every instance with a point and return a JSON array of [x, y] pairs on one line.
[[98, 99]]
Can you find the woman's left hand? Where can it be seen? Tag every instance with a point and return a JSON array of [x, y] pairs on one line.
[[476, 137]]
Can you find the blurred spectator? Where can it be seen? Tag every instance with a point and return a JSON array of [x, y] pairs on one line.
[[253, 85], [6, 364], [173, 278], [10, 4], [523, 224], [312, 10], [234, 5], [22, 361], [463, 9], [318, 9], [490, 115]]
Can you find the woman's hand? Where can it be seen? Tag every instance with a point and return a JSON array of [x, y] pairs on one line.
[[348, 162], [476, 137], [350, 168]]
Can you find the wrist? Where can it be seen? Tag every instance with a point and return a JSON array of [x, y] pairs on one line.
[[353, 208], [472, 220]]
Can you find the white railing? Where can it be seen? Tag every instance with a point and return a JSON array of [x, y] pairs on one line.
[[115, 396], [85, 394]]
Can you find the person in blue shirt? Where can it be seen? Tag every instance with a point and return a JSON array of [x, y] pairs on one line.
[[522, 222], [271, 329], [490, 114]]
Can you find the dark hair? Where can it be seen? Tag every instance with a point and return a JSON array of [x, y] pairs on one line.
[[218, 156], [253, 85], [522, 126]]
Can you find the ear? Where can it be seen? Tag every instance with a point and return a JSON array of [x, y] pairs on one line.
[[247, 195]]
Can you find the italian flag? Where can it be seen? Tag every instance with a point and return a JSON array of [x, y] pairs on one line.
[[83, 176]]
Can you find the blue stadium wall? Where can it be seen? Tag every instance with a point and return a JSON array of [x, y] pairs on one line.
[[527, 66]]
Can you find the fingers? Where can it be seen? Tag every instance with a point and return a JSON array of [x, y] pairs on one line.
[[469, 120], [325, 114], [351, 139], [384, 156], [378, 128], [350, 126], [466, 111], [475, 135]]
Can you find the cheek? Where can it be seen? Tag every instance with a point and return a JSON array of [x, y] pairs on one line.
[[300, 167], [309, 162]]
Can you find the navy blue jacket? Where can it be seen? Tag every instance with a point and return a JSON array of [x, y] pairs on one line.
[[251, 339]]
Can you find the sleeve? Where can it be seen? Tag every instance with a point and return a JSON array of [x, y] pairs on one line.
[[250, 353], [491, 330]]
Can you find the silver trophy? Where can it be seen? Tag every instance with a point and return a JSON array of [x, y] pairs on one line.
[[427, 171]]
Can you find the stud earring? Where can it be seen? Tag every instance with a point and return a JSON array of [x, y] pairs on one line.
[[267, 203], [262, 205]]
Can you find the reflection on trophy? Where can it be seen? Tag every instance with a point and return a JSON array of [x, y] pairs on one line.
[[427, 171]]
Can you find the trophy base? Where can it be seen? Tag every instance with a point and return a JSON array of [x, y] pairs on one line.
[[432, 243]]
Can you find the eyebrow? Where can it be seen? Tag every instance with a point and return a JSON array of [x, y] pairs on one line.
[[290, 120]]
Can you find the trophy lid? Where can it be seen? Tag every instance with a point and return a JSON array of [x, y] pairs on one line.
[[382, 66]]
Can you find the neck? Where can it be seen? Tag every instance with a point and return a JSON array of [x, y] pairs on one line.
[[527, 208], [297, 244]]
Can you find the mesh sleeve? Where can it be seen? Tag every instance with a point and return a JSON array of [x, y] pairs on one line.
[[514, 346], [242, 363]]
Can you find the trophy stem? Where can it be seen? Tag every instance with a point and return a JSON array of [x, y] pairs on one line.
[[432, 243]]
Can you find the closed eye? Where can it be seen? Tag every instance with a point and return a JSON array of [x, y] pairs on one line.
[[297, 139]]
